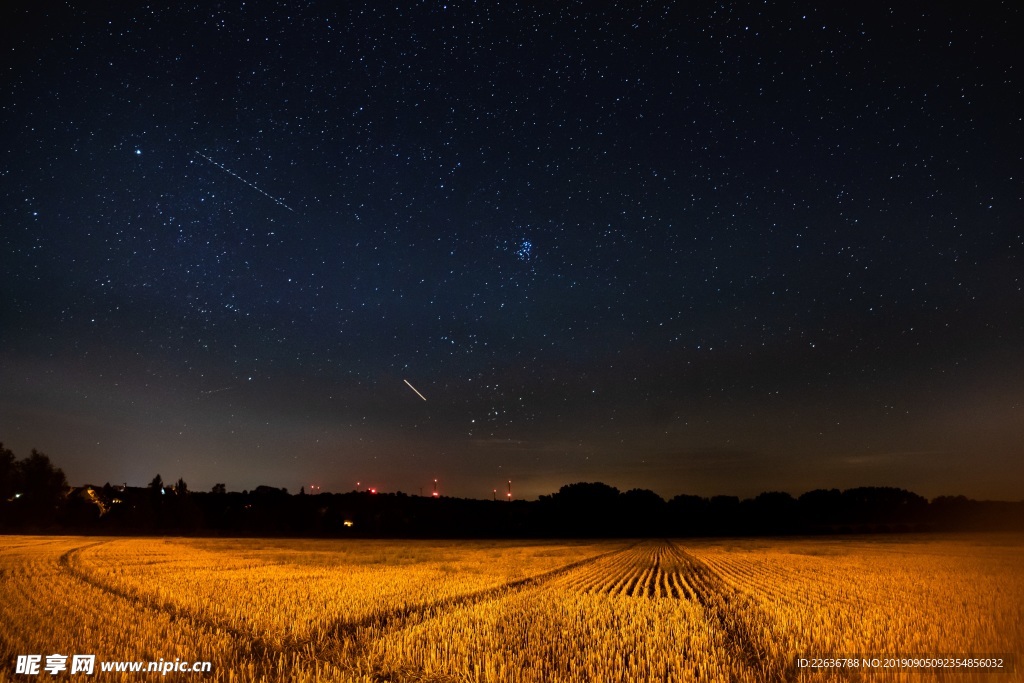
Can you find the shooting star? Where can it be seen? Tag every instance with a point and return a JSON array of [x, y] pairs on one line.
[[228, 170], [414, 389]]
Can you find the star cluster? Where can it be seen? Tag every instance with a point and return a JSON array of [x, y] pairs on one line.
[[705, 247]]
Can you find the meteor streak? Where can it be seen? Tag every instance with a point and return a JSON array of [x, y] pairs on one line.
[[414, 389], [228, 170]]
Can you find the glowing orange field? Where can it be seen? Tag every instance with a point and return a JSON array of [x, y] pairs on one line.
[[322, 610]]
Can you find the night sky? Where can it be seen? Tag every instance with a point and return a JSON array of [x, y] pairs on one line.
[[711, 248]]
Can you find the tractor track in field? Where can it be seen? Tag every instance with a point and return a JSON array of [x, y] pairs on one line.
[[249, 643], [725, 607], [347, 639], [357, 635], [383, 623], [736, 614]]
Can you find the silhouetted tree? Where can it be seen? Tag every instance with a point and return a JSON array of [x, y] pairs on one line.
[[185, 512], [6, 474], [773, 512], [270, 491], [219, 489], [962, 513], [6, 487], [155, 513], [40, 487], [585, 509], [643, 513], [723, 515], [587, 494], [688, 514], [821, 509], [883, 505]]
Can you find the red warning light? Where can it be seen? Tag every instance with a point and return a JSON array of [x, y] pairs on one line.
[[373, 490]]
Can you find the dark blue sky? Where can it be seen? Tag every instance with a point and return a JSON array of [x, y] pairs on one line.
[[692, 247]]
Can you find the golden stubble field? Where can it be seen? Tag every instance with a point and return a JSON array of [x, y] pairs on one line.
[[323, 610]]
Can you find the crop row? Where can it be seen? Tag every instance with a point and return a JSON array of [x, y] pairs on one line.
[[880, 597], [650, 569]]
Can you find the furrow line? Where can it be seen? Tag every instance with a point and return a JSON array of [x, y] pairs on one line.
[[248, 642], [733, 613]]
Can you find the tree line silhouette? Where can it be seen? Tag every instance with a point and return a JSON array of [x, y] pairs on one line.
[[35, 497]]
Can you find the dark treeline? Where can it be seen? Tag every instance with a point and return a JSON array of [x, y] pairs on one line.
[[34, 497]]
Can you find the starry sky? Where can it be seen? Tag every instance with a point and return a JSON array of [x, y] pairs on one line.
[[696, 247]]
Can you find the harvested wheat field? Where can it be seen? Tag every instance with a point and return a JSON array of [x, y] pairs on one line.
[[888, 608]]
